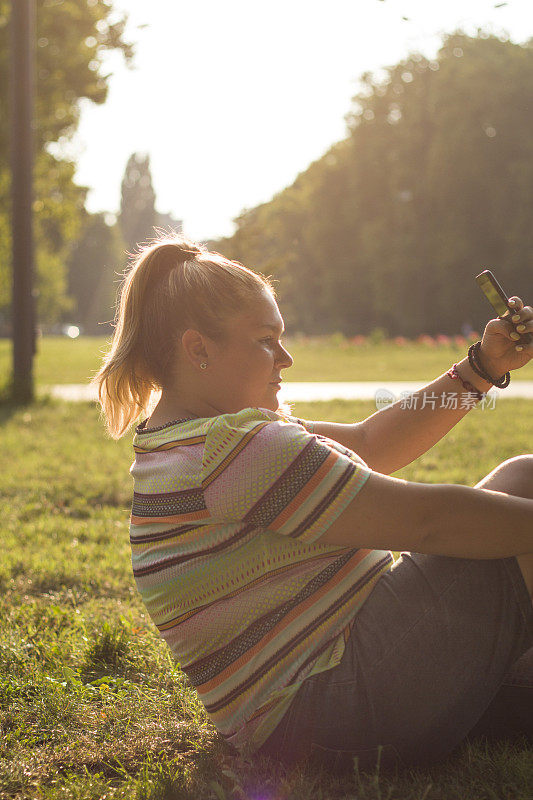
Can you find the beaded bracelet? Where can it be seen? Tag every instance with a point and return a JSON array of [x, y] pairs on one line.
[[475, 363], [452, 372]]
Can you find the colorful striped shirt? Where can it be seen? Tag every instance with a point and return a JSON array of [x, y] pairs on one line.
[[226, 522]]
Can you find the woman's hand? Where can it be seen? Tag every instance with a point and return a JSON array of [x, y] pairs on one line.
[[498, 353]]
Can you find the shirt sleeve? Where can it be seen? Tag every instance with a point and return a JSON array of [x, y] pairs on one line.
[[276, 475], [285, 415], [305, 423]]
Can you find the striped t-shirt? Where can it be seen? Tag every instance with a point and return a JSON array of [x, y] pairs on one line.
[[226, 522]]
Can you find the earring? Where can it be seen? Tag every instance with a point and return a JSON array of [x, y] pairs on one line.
[[203, 365]]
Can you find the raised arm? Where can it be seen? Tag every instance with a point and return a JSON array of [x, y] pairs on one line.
[[398, 434], [438, 519], [401, 432]]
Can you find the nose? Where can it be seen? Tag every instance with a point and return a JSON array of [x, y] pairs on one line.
[[284, 358]]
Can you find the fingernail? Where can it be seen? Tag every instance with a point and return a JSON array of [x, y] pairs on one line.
[[516, 318], [514, 335], [521, 328]]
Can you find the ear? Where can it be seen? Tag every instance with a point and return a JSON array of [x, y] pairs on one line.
[[194, 346]]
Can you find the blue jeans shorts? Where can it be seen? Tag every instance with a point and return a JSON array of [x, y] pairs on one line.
[[441, 648]]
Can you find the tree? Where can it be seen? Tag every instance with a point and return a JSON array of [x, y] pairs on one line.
[[137, 208], [71, 39], [433, 183], [94, 264]]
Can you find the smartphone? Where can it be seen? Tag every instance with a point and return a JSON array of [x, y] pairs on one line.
[[498, 299]]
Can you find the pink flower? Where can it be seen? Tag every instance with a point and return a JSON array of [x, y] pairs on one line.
[[443, 339], [400, 340], [358, 340], [425, 339]]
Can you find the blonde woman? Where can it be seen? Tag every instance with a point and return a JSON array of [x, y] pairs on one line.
[[261, 542]]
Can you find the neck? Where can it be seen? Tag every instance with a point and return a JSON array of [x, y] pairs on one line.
[[171, 407]]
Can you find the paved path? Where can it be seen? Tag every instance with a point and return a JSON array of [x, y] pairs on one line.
[[384, 392]]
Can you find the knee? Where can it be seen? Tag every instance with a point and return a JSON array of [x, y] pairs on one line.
[[522, 465], [513, 476]]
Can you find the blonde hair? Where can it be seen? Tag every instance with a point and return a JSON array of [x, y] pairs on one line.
[[173, 284]]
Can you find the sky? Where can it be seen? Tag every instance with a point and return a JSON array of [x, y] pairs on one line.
[[232, 99]]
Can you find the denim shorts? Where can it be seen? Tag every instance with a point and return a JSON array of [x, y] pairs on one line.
[[438, 645]]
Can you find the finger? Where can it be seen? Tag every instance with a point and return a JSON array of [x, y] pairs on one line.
[[524, 345], [515, 303], [526, 326], [501, 326], [524, 313]]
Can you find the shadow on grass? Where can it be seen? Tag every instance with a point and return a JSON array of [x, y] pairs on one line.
[[108, 654], [8, 407]]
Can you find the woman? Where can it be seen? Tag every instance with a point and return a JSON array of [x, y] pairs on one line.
[[261, 543]]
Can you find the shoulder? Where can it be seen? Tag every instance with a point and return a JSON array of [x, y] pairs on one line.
[[254, 434], [251, 419]]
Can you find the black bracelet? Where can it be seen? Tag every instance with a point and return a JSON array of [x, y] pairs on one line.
[[475, 363]]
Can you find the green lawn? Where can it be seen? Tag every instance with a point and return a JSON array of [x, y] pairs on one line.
[[91, 705], [62, 360]]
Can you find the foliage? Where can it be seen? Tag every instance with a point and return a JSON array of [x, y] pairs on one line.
[[71, 37], [432, 184], [137, 208], [93, 265]]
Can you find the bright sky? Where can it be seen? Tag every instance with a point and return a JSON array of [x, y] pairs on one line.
[[233, 98]]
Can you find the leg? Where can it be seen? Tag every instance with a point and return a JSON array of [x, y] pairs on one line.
[[427, 653], [514, 476], [511, 711]]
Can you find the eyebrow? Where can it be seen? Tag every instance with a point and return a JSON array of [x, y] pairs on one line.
[[273, 328]]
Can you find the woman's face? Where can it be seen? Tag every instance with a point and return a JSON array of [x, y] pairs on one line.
[[246, 368]]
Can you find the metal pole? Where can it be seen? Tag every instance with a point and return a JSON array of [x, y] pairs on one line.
[[21, 95]]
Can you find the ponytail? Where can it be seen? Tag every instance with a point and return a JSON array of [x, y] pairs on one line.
[[172, 284]]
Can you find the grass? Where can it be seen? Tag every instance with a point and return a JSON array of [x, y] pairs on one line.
[[59, 359], [92, 705], [62, 360]]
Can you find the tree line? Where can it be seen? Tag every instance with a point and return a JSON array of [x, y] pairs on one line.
[[99, 254], [432, 184], [78, 255]]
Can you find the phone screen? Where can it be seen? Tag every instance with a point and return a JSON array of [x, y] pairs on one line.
[[498, 299], [494, 293]]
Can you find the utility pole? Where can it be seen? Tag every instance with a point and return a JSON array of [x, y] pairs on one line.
[[21, 96]]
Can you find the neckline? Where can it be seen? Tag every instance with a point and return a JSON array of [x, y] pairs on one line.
[[141, 428]]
